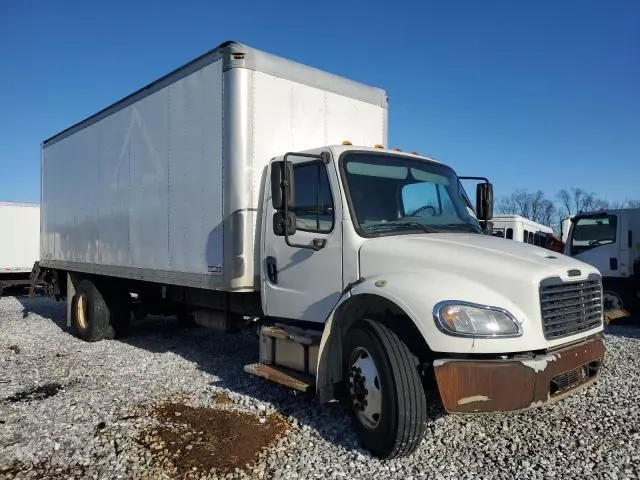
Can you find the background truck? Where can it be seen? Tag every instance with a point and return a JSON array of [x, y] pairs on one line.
[[610, 241], [224, 193], [19, 242]]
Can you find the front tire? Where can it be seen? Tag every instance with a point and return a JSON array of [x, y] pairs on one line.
[[385, 390]]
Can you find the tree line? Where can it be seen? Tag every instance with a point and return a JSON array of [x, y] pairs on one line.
[[537, 207]]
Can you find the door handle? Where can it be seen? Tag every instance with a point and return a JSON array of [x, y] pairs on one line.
[[272, 269]]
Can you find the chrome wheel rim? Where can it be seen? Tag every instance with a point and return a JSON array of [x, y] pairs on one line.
[[365, 388]]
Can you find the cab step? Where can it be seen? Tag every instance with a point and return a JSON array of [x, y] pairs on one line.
[[288, 356], [282, 376]]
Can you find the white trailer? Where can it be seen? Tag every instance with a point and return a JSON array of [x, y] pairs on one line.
[[520, 229], [224, 191], [19, 242], [610, 241]]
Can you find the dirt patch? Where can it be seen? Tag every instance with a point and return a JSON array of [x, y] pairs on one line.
[[35, 393], [15, 349], [201, 440]]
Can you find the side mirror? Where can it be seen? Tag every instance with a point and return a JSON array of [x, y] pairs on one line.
[[284, 225], [484, 201], [282, 187]]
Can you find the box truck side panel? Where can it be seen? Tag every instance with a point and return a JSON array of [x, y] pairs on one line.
[[19, 237], [141, 188]]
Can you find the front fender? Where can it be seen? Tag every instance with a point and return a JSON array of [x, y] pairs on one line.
[[416, 294]]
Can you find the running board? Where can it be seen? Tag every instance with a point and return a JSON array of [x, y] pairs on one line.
[[281, 375]]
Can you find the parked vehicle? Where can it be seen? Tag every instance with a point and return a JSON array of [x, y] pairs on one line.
[[19, 242], [610, 241], [209, 194], [520, 229], [565, 226]]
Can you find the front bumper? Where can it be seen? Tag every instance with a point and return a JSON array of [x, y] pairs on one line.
[[474, 386]]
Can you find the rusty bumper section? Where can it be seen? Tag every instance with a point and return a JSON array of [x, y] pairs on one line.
[[470, 386]]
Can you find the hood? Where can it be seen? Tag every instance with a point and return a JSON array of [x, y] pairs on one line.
[[482, 257], [424, 269]]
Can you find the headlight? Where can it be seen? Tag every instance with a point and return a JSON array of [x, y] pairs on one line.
[[470, 320]]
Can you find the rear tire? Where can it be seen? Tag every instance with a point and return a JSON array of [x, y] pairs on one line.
[[98, 315], [390, 406]]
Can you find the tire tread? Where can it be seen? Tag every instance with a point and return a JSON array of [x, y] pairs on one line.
[[412, 404]]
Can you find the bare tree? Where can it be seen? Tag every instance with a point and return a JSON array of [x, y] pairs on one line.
[[533, 206], [578, 200]]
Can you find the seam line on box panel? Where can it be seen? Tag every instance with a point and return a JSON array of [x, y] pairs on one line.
[[169, 160]]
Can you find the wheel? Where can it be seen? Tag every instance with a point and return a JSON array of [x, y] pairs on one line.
[[384, 390], [620, 295], [612, 301], [98, 316]]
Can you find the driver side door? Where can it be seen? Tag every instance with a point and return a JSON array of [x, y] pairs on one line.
[[300, 283]]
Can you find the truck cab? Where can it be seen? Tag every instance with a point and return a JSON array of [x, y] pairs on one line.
[[384, 251], [610, 241]]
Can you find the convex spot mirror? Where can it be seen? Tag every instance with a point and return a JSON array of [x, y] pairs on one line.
[[284, 224]]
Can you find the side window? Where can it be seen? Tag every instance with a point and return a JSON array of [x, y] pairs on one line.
[[313, 202], [510, 233], [526, 236]]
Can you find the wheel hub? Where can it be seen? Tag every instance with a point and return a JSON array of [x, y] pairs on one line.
[[364, 386]]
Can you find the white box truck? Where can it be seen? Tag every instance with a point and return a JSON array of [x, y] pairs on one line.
[[19, 242], [610, 241], [224, 191]]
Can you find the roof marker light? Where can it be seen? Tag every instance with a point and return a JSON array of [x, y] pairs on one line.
[[397, 149], [378, 145], [346, 142]]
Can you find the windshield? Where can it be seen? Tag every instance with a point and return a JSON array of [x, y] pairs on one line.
[[393, 194], [591, 232]]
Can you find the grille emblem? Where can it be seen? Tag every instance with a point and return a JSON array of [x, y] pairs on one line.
[[574, 273]]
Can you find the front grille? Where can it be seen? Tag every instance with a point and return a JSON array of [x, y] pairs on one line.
[[569, 379], [570, 308]]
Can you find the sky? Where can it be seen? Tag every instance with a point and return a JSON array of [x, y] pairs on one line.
[[532, 94]]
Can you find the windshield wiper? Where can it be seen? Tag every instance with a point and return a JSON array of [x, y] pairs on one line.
[[457, 226], [392, 225]]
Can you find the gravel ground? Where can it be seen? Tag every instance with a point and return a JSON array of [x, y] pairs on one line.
[[70, 409]]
